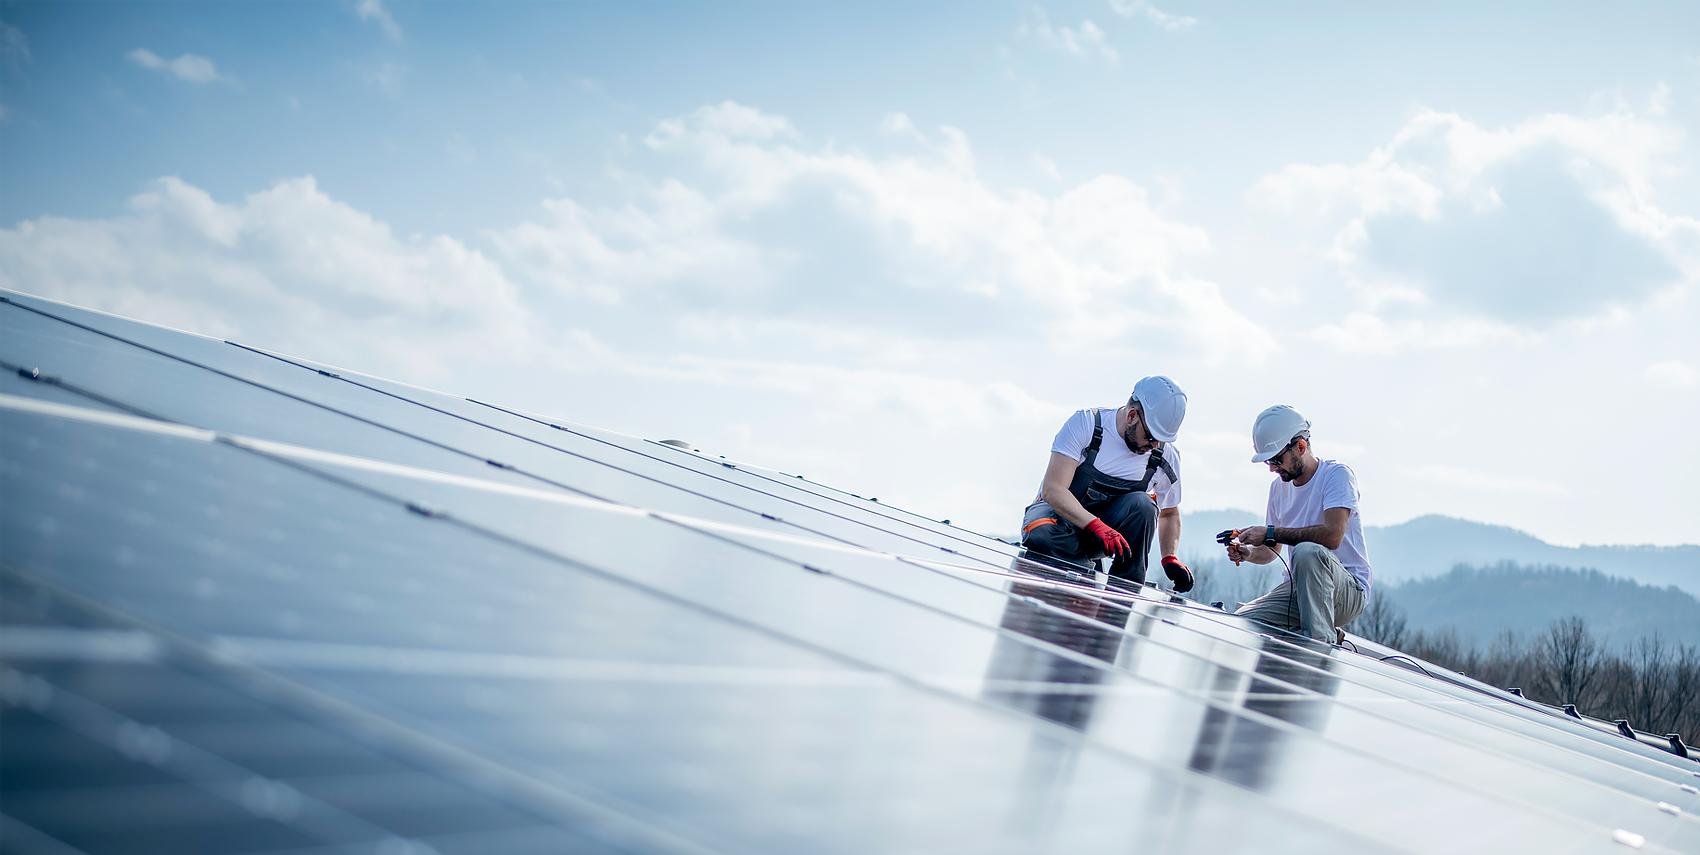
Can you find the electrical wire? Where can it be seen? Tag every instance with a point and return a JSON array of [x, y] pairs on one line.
[[1418, 665]]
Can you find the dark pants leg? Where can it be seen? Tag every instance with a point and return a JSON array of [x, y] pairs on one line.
[[1135, 516], [1045, 532]]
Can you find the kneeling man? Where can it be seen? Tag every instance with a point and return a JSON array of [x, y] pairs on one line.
[[1110, 471], [1313, 507]]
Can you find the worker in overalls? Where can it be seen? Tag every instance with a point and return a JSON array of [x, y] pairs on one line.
[[1113, 482]]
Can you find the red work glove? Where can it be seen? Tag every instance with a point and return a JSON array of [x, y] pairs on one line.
[[1179, 573], [1114, 543]]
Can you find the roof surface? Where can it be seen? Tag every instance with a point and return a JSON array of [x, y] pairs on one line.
[[255, 604]]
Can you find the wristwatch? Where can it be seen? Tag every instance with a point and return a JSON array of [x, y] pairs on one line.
[[1269, 536]]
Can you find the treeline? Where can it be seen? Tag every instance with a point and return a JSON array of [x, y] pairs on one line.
[[1482, 601], [1652, 682]]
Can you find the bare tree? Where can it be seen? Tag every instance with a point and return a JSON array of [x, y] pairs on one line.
[[1444, 647], [1506, 662], [1569, 662], [1653, 683], [1684, 708], [1383, 622], [1644, 693]]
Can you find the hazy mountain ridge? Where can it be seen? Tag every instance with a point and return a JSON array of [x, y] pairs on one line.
[[1433, 545], [1479, 602]]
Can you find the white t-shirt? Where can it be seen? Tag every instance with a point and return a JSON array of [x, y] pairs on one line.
[[1334, 485], [1114, 457]]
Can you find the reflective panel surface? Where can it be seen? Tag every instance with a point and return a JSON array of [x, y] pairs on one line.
[[255, 604]]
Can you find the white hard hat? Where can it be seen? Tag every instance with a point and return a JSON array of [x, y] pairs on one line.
[[1274, 428], [1164, 405]]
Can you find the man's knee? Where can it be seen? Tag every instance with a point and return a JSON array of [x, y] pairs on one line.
[[1310, 558], [1134, 511], [1044, 530], [1049, 540], [1144, 506], [1268, 609]]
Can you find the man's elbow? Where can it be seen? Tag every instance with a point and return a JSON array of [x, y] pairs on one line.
[[1333, 539]]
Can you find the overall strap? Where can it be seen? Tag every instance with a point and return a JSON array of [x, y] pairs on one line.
[[1091, 452], [1155, 462]]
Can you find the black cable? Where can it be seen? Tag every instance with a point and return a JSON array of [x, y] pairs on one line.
[[1419, 665]]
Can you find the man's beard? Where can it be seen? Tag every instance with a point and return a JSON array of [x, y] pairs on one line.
[[1289, 477], [1134, 447]]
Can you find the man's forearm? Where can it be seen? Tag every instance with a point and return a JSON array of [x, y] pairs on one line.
[[1168, 530], [1307, 534], [1064, 503]]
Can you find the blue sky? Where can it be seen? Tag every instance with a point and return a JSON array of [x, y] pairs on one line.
[[892, 247]]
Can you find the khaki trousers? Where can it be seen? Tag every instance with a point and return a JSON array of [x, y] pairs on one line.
[[1320, 596]]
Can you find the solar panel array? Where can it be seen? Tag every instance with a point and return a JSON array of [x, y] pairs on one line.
[[255, 604]]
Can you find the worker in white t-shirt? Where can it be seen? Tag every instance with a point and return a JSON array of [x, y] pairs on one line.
[[1113, 480], [1313, 507]]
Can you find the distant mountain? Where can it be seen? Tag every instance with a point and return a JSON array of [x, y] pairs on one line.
[[1480, 602], [1432, 545]]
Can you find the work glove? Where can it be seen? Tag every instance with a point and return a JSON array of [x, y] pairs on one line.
[[1113, 541], [1179, 573]]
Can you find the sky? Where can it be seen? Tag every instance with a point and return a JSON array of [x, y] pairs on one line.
[[892, 246]]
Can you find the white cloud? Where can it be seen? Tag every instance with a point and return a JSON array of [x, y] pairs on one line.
[[1086, 41], [750, 277], [1366, 332], [1673, 373], [189, 68], [773, 226], [732, 121], [900, 125], [288, 265], [374, 11], [1553, 220], [1150, 12]]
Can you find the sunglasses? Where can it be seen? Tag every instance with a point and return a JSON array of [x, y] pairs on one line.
[[1137, 417], [1282, 454]]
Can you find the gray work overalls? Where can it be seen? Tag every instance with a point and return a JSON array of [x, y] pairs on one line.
[[1121, 503]]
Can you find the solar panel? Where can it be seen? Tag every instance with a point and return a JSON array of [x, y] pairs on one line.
[[257, 603]]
